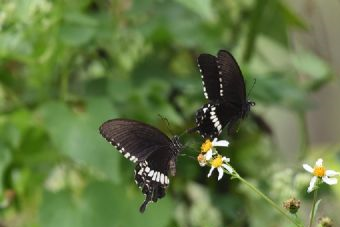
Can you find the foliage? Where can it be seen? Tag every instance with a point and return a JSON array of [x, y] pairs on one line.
[[68, 66]]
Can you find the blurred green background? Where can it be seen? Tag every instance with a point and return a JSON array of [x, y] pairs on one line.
[[68, 66]]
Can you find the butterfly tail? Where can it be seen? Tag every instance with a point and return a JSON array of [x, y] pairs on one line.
[[155, 192], [144, 204]]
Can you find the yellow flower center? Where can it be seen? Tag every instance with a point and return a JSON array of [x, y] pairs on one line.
[[207, 145], [217, 162], [319, 171]]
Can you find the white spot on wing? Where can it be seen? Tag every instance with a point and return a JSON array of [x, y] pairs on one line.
[[154, 176], [162, 178], [158, 175], [133, 159], [205, 95]]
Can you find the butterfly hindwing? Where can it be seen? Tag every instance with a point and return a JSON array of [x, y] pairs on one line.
[[152, 179], [212, 118], [147, 146]]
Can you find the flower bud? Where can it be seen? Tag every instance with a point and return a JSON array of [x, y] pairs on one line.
[[201, 160], [292, 205], [325, 222]]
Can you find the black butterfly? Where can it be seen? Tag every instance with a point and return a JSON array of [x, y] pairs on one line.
[[154, 153], [224, 87]]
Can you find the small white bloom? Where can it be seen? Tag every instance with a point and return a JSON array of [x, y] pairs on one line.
[[207, 147], [320, 173], [220, 163]]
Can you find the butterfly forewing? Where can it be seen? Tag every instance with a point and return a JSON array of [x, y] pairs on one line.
[[209, 74], [151, 149], [135, 140], [232, 82]]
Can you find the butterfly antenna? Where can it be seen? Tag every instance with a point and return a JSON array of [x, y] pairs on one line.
[[189, 156], [167, 123], [251, 88], [186, 132]]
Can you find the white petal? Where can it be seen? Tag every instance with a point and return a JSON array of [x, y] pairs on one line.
[[308, 168], [221, 143], [208, 155], [332, 173], [319, 162], [312, 184], [228, 168], [214, 141], [224, 159], [329, 181], [210, 172], [220, 173]]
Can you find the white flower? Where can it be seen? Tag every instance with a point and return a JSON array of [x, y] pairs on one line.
[[320, 173], [207, 147], [220, 163]]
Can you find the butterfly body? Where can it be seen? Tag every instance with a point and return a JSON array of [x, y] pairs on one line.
[[153, 152], [224, 88]]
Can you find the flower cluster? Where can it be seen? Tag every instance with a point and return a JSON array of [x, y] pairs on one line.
[[210, 156], [321, 174]]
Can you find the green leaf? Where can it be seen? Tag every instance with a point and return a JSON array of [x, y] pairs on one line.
[[77, 29], [289, 94], [317, 71], [76, 135], [290, 16], [102, 204], [202, 8], [317, 203], [316, 207]]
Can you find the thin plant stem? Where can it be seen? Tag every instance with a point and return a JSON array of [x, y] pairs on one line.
[[313, 208], [236, 175], [304, 143]]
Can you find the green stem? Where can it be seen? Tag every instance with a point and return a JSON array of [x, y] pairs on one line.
[[303, 135], [267, 199], [313, 208]]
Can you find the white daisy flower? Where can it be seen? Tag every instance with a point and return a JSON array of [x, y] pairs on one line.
[[320, 173], [207, 147], [220, 163]]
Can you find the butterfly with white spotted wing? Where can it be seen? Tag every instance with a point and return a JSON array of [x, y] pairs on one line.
[[224, 87], [153, 151]]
